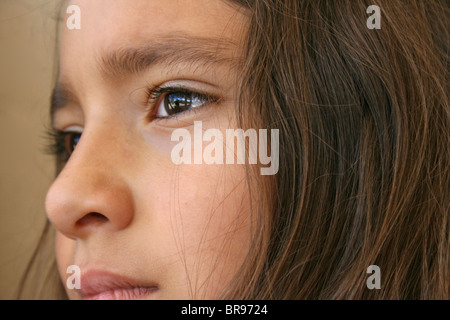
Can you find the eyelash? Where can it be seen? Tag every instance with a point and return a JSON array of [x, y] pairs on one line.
[[56, 145], [57, 138]]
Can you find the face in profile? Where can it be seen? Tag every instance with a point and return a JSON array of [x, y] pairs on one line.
[[137, 224]]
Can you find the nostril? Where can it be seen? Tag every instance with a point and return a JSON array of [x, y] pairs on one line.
[[92, 218]]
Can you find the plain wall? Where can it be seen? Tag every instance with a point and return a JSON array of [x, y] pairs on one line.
[[27, 41]]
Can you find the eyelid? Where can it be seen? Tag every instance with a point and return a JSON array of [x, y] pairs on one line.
[[74, 128], [180, 86]]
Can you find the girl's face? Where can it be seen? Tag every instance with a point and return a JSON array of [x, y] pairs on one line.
[[137, 224]]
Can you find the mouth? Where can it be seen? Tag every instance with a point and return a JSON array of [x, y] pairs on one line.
[[103, 285]]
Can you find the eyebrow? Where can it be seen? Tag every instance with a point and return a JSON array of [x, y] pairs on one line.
[[168, 51]]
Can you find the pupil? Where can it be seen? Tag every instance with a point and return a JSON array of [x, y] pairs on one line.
[[176, 103]]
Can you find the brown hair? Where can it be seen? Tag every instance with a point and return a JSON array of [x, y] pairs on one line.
[[364, 121], [364, 149]]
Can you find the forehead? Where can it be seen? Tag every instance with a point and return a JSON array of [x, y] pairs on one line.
[[107, 25]]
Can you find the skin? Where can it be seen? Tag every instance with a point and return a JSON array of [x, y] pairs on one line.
[[120, 204]]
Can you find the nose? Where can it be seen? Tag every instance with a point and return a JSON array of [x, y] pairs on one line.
[[91, 191]]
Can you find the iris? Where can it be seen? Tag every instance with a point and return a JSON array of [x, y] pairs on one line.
[[177, 102]]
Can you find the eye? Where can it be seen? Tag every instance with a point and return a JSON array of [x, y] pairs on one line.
[[71, 140], [173, 101], [72, 136]]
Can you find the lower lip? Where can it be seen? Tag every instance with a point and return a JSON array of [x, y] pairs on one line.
[[122, 294]]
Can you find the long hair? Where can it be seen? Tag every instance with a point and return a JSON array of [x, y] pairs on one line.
[[364, 126]]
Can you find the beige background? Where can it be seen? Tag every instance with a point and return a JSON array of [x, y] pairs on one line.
[[27, 41]]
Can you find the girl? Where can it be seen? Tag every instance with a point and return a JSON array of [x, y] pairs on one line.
[[363, 122]]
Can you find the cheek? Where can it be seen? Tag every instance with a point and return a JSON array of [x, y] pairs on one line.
[[207, 221], [65, 248], [208, 199]]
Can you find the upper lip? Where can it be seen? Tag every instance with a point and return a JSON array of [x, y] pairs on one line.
[[96, 281]]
